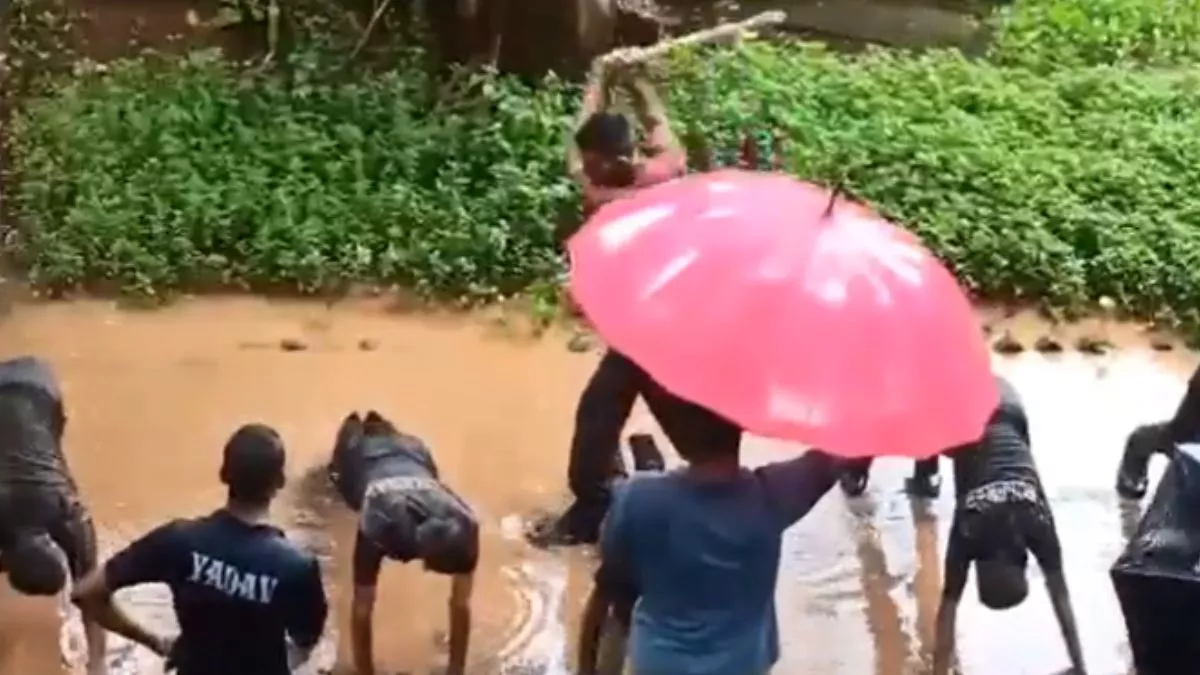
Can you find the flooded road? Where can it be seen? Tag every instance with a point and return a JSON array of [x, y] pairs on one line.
[[152, 397]]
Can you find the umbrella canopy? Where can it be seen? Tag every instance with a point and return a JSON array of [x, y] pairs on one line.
[[791, 311]]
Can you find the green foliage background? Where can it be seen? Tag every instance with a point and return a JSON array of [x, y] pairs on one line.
[[1058, 169]]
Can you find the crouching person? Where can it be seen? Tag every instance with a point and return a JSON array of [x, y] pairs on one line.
[[43, 521], [405, 513], [1001, 515]]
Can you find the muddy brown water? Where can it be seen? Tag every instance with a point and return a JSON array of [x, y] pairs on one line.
[[152, 396]]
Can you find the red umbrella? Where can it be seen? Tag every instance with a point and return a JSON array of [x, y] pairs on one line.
[[797, 314]]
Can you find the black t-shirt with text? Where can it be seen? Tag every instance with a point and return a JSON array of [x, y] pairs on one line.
[[393, 482], [238, 590]]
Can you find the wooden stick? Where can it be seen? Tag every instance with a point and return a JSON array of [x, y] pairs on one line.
[[770, 18]]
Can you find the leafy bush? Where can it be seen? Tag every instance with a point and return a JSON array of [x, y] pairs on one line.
[[166, 176], [1062, 186], [1055, 34], [1059, 187]]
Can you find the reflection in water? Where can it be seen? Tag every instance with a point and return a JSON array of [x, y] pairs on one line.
[[927, 586], [882, 613], [153, 395]]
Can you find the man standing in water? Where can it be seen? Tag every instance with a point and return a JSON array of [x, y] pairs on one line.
[[1001, 514], [240, 588], [605, 162], [42, 519], [406, 513]]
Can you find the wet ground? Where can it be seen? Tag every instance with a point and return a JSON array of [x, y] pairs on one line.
[[152, 396]]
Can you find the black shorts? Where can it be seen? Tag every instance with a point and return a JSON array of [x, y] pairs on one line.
[[55, 511]]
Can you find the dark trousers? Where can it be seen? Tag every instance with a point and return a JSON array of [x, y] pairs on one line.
[[1156, 579], [595, 460]]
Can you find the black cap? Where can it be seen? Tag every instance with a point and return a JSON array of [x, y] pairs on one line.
[[253, 462]]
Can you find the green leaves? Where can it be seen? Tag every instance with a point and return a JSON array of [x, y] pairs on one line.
[[165, 179], [1054, 184], [1053, 34]]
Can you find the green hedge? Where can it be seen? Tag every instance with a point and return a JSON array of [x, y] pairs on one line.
[[1058, 187], [1054, 34]]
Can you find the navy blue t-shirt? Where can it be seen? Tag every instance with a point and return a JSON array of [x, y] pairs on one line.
[[238, 590]]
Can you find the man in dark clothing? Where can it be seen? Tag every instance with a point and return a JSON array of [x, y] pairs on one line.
[[1159, 438], [405, 513], [595, 460], [248, 601], [1001, 514], [604, 159], [42, 519]]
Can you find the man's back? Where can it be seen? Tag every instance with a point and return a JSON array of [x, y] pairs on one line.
[[705, 557], [238, 590], [1003, 452], [31, 426]]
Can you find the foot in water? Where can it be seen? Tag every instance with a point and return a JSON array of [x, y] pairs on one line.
[[853, 483], [552, 530], [580, 524], [924, 486]]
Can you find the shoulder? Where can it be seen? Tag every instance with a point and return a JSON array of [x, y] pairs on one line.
[[643, 493], [298, 562], [171, 531], [667, 165]]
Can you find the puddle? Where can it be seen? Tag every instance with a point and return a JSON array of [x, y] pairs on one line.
[[152, 397]]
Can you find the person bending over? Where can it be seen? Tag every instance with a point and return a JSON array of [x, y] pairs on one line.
[[42, 518], [248, 601], [405, 513], [1160, 438], [1001, 514], [699, 547]]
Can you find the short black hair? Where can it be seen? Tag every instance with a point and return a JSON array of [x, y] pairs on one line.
[[606, 133], [253, 464]]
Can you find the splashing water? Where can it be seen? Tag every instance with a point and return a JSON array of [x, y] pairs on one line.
[[538, 643]]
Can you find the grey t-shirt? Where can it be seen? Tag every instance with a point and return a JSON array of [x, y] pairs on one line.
[[31, 426]]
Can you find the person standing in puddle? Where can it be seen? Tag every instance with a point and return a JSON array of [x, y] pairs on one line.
[[1001, 515], [43, 521], [693, 554], [405, 513], [608, 163], [249, 602]]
